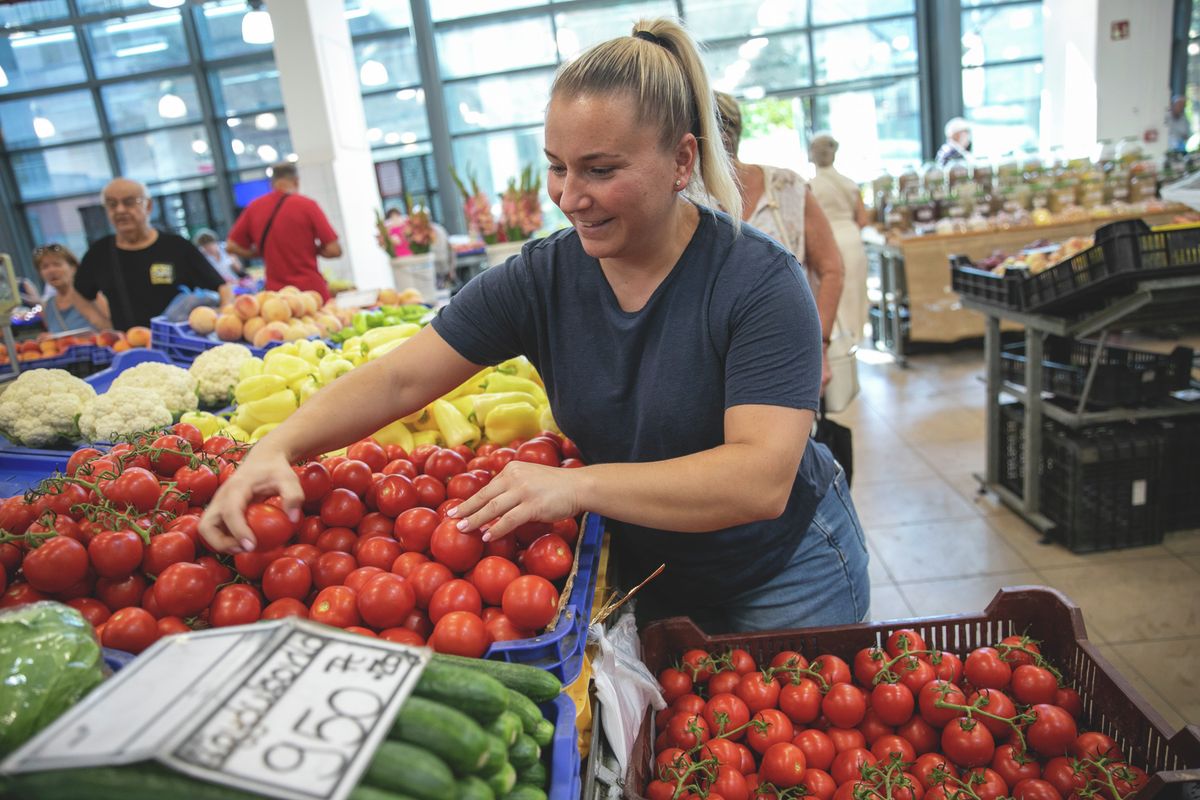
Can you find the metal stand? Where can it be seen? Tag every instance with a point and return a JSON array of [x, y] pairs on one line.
[[10, 345], [889, 263], [1161, 301]]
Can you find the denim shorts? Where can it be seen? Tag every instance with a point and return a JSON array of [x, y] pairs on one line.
[[824, 583]]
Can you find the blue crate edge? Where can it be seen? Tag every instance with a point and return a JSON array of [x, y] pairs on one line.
[[565, 778]]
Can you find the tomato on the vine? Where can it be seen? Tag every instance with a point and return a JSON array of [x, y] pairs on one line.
[[336, 606], [776, 728], [236, 604], [385, 600], [968, 743], [726, 712], [783, 765], [184, 589], [1052, 731]]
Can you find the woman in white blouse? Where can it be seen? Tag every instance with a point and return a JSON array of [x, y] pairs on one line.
[[779, 203], [842, 203]]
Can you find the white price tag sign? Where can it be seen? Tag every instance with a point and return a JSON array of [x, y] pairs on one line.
[[289, 710]]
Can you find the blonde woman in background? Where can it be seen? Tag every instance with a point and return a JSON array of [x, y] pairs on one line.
[[842, 203], [776, 201]]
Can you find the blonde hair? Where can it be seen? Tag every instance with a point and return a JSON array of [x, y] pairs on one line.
[[659, 66], [731, 121]]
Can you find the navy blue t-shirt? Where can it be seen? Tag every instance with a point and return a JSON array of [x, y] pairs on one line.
[[733, 323]]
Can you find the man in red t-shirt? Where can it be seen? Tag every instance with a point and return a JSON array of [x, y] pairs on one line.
[[295, 231]]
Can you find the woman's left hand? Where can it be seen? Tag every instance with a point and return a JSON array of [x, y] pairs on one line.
[[521, 493]]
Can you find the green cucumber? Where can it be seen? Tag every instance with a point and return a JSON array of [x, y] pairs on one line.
[[543, 733], [524, 753], [364, 792], [526, 709], [497, 756], [402, 768], [506, 727], [446, 732], [469, 690], [503, 781], [534, 683], [523, 791], [116, 783], [472, 788], [534, 775]]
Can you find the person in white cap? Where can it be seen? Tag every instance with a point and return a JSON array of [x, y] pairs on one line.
[[958, 143], [1179, 129]]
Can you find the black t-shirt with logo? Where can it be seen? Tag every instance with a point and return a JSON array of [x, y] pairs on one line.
[[148, 279]]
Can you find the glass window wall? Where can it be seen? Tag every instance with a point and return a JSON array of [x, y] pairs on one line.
[[1002, 75], [39, 59], [129, 45], [48, 119], [145, 104]]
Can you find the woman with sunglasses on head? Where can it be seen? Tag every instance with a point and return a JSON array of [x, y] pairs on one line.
[[680, 350], [65, 309]]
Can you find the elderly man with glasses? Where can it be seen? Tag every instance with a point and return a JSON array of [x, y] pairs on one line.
[[140, 269]]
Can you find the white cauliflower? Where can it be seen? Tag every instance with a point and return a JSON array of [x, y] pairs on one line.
[[41, 405], [217, 371], [174, 385], [121, 411]]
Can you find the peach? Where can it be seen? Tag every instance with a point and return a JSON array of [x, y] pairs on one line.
[[271, 332], [246, 306], [228, 327], [252, 326], [388, 296], [138, 336], [311, 304], [276, 309], [295, 303], [203, 319], [289, 289]]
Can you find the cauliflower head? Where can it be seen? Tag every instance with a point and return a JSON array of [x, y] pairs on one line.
[[175, 386], [217, 371], [41, 405], [121, 411]]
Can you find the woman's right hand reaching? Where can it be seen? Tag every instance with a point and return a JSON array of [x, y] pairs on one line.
[[264, 472]]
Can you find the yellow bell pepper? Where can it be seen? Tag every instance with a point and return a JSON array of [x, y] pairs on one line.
[[288, 367], [412, 418], [473, 385], [466, 406], [307, 388], [520, 367], [396, 433], [499, 382], [257, 387], [288, 348], [423, 420], [510, 421], [332, 367], [208, 424], [546, 420], [263, 430], [455, 428], [242, 418], [237, 433], [273, 408], [351, 345], [385, 348], [426, 437], [313, 350], [378, 336], [250, 367], [484, 403]]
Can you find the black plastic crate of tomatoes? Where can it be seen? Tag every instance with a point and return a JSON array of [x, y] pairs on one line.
[[1088, 278], [1124, 376], [1181, 474], [1172, 252], [1005, 291], [1101, 486]]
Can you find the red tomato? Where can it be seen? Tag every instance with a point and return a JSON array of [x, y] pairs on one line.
[[285, 607], [847, 765], [91, 609], [190, 434], [928, 768], [778, 729], [675, 683], [166, 549], [1052, 732], [1065, 776], [400, 466], [20, 594], [885, 748], [868, 662], [80, 458], [1014, 766], [531, 602], [1019, 650], [115, 554], [937, 690], [403, 636], [200, 483], [414, 528], [332, 568], [920, 734], [184, 589], [406, 562], [431, 491], [457, 550], [357, 579], [818, 784], [465, 485], [336, 606], [454, 595], [426, 578], [968, 743], [844, 705], [501, 456], [270, 526], [491, 576], [237, 604], [986, 670], [551, 557], [817, 746], [342, 508], [832, 668], [353, 475], [443, 464], [947, 666], [310, 530], [1033, 685], [131, 630], [757, 691], [999, 704], [872, 727], [378, 551], [58, 563], [914, 673], [169, 626], [370, 452], [501, 629], [374, 524], [686, 731], [1069, 700], [386, 600], [536, 451], [287, 577], [723, 682], [314, 481], [118, 593], [307, 553], [846, 738], [1034, 789], [1095, 746], [725, 712], [338, 539], [1128, 779], [801, 701], [904, 640], [893, 702], [986, 783], [783, 764], [395, 495], [460, 633]]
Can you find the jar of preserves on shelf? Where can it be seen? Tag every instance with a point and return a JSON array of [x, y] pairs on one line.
[[908, 181], [1143, 182], [983, 173], [925, 212], [1039, 196], [897, 215]]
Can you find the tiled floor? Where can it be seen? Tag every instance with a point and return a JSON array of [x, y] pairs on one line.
[[918, 437]]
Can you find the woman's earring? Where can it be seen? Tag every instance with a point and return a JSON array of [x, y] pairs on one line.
[[678, 183]]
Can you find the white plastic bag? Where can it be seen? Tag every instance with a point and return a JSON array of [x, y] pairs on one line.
[[624, 685]]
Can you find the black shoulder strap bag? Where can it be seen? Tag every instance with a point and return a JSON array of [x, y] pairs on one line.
[[262, 242], [122, 289]]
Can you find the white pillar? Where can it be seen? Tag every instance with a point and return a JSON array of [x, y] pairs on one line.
[[1097, 87], [319, 80]]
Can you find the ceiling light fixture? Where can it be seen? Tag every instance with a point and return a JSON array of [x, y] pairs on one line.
[[171, 105], [43, 128], [266, 121], [372, 73], [166, 3], [256, 24], [268, 153], [3, 78]]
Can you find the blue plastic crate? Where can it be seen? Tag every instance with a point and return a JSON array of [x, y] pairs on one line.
[[561, 650], [78, 360], [182, 344], [564, 766], [22, 471]]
